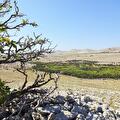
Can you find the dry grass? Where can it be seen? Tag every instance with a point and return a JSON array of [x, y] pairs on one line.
[[65, 82], [77, 83], [104, 89], [108, 90], [15, 78]]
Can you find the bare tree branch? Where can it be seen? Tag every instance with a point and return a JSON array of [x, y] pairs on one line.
[[22, 50], [31, 88]]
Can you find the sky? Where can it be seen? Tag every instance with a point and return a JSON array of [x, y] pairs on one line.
[[75, 24]]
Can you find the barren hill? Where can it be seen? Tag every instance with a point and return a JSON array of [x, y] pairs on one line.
[[104, 56]]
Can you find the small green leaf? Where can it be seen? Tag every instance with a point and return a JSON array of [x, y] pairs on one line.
[[13, 44], [24, 21], [1, 49]]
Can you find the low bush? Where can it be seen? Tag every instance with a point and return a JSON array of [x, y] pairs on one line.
[[81, 70], [4, 91]]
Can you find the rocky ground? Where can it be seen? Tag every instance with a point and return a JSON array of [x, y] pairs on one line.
[[83, 104], [62, 105]]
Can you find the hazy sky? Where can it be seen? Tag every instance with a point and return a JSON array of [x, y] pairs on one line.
[[76, 24]]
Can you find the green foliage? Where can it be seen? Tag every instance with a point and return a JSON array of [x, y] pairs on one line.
[[81, 70], [2, 29], [4, 91], [23, 49]]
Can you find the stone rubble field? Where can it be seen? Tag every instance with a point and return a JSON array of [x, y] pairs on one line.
[[62, 105]]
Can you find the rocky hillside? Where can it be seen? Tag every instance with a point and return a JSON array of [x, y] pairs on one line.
[[73, 106]]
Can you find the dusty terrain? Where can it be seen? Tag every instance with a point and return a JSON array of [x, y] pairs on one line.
[[103, 58], [104, 89], [15, 79]]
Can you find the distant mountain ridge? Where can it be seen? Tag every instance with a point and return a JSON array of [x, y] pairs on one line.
[[106, 50], [112, 50]]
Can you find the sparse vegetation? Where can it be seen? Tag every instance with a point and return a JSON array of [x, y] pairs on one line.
[[88, 70]]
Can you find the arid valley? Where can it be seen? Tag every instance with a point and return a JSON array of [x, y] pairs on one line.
[[104, 89]]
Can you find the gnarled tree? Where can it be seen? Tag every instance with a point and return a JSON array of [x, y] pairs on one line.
[[21, 50]]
